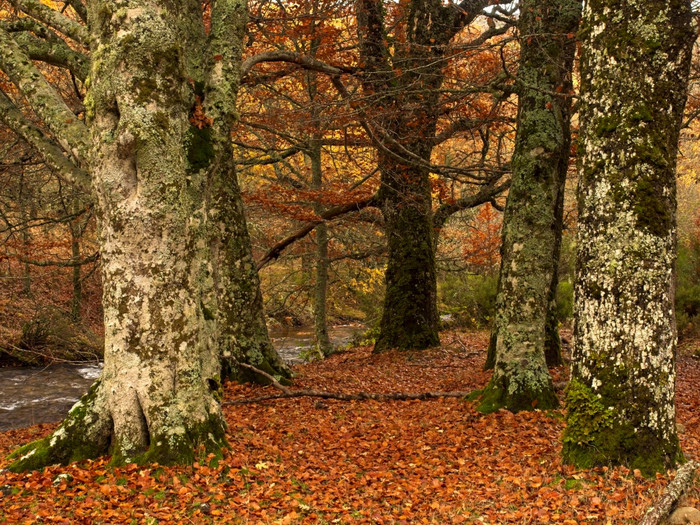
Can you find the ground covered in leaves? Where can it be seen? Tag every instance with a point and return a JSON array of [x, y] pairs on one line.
[[308, 460]]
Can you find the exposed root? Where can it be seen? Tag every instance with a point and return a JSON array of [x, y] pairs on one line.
[[669, 499]]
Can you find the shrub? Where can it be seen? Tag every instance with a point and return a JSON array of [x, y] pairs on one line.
[[469, 299], [688, 289]]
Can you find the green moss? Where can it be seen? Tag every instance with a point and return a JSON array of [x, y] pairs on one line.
[[587, 416], [528, 395], [71, 441], [200, 148], [607, 125], [652, 212], [594, 436], [642, 114], [145, 89], [196, 442], [161, 120]]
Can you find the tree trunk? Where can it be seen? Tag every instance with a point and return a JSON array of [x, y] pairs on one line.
[[531, 235], [231, 286], [406, 120], [243, 331], [634, 71], [76, 277], [158, 396], [323, 342], [409, 316]]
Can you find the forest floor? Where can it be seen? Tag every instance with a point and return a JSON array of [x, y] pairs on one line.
[[306, 460]]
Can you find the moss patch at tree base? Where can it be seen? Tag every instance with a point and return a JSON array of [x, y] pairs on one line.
[[595, 437], [493, 397], [196, 443]]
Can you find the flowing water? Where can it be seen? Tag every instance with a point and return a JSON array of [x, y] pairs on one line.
[[42, 395]]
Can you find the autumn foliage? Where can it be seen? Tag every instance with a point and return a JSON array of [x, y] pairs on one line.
[[323, 461]]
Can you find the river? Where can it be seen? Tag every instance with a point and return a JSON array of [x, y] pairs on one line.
[[30, 395]]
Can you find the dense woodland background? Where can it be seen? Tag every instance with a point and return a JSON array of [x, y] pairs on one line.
[[375, 145], [301, 150]]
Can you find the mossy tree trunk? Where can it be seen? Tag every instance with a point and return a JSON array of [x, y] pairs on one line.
[[634, 70], [406, 86], [323, 342], [236, 302], [181, 289], [401, 83], [531, 225], [409, 316]]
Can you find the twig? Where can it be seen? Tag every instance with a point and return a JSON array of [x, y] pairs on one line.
[[360, 396], [673, 492], [274, 381]]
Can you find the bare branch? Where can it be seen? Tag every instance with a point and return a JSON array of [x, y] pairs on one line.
[[486, 194], [53, 18], [291, 57], [332, 213], [360, 396], [51, 153], [671, 495]]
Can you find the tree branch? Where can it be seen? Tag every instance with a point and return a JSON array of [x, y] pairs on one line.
[[71, 133], [671, 495], [486, 194], [79, 8], [228, 20], [332, 213], [291, 57], [51, 153], [374, 51], [360, 396], [53, 18], [56, 54], [62, 264]]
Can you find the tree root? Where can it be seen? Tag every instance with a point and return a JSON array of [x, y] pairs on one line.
[[360, 396], [673, 492]]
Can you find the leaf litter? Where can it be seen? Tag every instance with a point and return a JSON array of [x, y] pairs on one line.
[[305, 460]]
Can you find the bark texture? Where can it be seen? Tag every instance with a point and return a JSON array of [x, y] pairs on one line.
[[406, 107], [181, 287], [634, 71], [531, 225]]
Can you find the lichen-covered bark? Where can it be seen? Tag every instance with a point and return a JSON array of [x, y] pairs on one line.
[[243, 335], [407, 107], [70, 131], [157, 397], [51, 153], [634, 70], [531, 235]]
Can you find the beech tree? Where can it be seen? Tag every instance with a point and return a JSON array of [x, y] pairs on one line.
[[153, 142], [635, 63], [396, 91], [403, 83], [533, 215]]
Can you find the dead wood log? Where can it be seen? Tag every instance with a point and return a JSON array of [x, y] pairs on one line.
[[360, 396], [670, 496]]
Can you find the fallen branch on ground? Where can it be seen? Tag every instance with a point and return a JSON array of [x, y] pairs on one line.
[[360, 396], [669, 499]]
